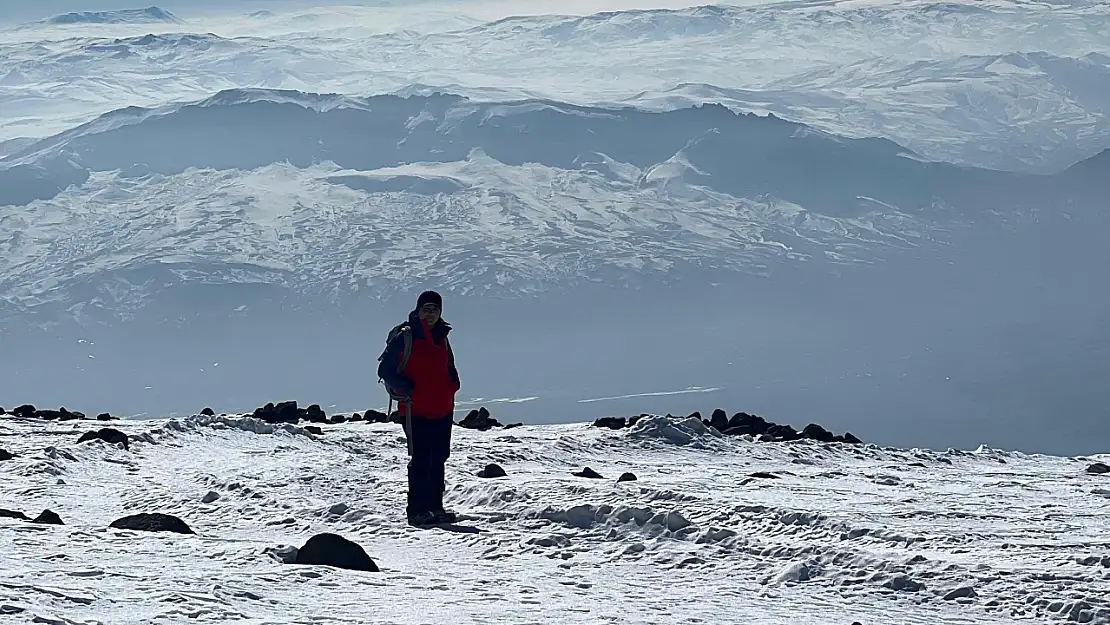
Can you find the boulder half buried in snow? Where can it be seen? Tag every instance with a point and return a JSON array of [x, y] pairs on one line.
[[152, 522], [110, 435], [334, 550]]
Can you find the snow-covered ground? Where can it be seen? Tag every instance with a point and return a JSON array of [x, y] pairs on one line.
[[845, 534]]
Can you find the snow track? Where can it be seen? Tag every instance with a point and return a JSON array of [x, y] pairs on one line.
[[840, 534]]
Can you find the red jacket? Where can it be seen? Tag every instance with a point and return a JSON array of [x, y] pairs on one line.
[[429, 377]]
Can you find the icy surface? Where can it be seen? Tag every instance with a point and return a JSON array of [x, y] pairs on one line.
[[845, 534]]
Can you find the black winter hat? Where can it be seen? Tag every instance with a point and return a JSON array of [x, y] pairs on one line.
[[429, 297]]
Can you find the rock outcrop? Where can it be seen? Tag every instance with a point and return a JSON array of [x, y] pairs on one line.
[[743, 423]]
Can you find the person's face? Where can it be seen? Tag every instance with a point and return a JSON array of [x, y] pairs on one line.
[[429, 314]]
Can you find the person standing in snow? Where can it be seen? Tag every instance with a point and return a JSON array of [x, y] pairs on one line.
[[418, 369]]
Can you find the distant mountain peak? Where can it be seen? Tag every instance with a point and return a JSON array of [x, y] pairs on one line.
[[149, 15]]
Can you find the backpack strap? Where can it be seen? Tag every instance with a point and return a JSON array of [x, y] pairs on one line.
[[406, 335]]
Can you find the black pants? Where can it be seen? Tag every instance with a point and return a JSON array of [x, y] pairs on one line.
[[429, 447]]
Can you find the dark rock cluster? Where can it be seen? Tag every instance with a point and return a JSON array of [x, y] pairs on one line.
[[479, 420], [289, 412], [744, 423], [110, 435], [47, 517], [28, 411]]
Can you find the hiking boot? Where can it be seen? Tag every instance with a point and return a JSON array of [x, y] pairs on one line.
[[423, 518], [445, 516]]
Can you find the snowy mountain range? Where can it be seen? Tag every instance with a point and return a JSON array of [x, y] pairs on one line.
[[329, 194], [149, 15]]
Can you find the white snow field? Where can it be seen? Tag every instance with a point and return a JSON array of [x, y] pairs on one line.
[[844, 534]]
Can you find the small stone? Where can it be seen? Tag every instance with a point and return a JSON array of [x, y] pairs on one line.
[[48, 517], [1098, 468], [963, 592], [12, 514], [763, 475], [492, 471], [902, 583], [627, 477], [5, 455], [208, 412], [588, 473], [210, 497], [104, 416], [312, 429]]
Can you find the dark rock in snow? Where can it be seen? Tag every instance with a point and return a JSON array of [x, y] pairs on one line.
[[744, 423], [719, 420], [613, 423], [356, 417], [963, 592], [627, 477], [849, 438], [152, 522], [334, 550], [48, 517], [313, 429], [492, 471], [104, 416], [12, 514], [779, 433], [26, 410], [763, 475], [509, 426], [818, 433], [635, 419], [4, 455], [208, 412], [315, 414], [479, 420], [1098, 468], [65, 415], [902, 583], [110, 435], [339, 418], [2, 411], [588, 473], [289, 412], [374, 416]]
